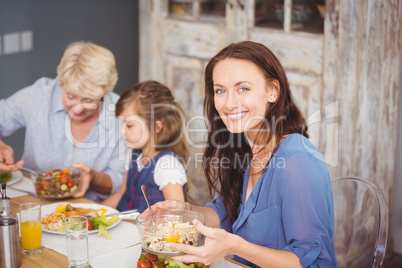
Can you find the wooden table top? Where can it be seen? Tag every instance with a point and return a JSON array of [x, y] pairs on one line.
[[49, 258]]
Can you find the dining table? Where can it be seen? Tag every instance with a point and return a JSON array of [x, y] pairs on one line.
[[52, 256]]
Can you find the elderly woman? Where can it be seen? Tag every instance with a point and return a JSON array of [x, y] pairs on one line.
[[70, 121]]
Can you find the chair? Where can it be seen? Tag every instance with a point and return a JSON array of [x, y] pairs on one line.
[[361, 223]]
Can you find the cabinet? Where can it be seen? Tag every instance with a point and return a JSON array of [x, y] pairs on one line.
[[343, 69]]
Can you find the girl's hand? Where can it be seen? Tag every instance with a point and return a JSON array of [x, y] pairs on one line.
[[163, 205], [85, 178], [218, 244]]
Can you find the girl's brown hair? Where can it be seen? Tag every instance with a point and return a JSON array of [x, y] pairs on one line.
[[153, 101], [228, 181]]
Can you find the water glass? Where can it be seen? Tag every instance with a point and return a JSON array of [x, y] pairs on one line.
[[31, 228], [77, 241]]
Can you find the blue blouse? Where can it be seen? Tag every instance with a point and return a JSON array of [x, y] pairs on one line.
[[291, 206]]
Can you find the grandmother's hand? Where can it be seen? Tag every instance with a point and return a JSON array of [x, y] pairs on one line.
[[85, 179], [217, 245], [7, 159]]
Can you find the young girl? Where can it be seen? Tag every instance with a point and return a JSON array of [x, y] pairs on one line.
[[153, 126]]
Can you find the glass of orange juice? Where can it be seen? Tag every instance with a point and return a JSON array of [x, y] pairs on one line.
[[31, 228]]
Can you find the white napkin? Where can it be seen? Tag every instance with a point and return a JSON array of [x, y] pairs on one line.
[[123, 235], [126, 258], [25, 185]]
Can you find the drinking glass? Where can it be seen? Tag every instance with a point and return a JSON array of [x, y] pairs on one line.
[[77, 241], [31, 228]]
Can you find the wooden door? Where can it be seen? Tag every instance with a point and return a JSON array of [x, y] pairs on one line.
[[174, 49]]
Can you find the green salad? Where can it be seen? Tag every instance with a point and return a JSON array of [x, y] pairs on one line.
[[5, 177], [148, 260], [101, 223]]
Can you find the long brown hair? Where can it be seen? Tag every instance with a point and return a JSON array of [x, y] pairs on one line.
[[154, 101], [234, 147]]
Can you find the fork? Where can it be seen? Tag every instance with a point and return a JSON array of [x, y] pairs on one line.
[[23, 169]]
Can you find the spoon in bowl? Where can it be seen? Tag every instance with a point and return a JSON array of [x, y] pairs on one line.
[[144, 190]]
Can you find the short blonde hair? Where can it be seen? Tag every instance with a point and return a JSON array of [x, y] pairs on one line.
[[89, 70]]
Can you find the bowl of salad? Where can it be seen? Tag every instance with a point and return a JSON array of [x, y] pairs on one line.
[[171, 226], [57, 183]]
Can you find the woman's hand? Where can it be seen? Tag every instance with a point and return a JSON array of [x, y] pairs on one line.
[[164, 205], [85, 178], [7, 159], [218, 243]]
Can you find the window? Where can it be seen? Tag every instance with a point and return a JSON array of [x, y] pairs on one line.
[[290, 15], [198, 10]]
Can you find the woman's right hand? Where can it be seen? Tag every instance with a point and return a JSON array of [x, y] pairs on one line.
[[7, 159], [164, 205]]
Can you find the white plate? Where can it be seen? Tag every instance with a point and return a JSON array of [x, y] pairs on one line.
[[16, 177], [48, 209]]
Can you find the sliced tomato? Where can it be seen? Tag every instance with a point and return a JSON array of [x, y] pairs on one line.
[[90, 226], [70, 184], [64, 178], [39, 187], [45, 184], [157, 265], [143, 263], [150, 256]]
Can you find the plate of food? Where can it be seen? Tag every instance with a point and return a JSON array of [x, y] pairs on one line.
[[53, 216], [11, 177]]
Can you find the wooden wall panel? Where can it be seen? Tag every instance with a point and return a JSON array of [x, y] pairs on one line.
[[366, 85], [346, 81], [330, 104], [389, 95], [306, 59], [191, 39], [346, 91], [362, 52]]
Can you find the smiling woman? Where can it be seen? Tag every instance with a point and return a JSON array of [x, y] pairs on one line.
[[274, 205]]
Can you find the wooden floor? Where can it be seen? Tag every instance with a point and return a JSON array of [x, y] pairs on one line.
[[393, 261]]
